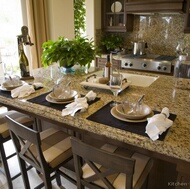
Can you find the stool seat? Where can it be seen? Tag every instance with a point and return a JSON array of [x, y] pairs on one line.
[[5, 136], [46, 151], [19, 117], [104, 168]]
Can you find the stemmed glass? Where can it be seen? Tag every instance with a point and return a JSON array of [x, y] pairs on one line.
[[8, 70], [115, 86]]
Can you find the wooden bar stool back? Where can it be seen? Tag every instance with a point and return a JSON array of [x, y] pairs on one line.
[[101, 169], [47, 151], [5, 137]]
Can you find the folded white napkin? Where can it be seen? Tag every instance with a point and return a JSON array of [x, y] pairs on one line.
[[22, 91], [79, 104], [37, 85], [158, 124]]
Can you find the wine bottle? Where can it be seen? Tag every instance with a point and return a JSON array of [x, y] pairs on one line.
[[108, 67], [23, 62]]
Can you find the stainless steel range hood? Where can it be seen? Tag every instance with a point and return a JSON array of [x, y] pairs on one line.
[[155, 6]]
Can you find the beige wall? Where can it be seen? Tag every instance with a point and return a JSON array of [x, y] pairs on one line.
[[61, 18]]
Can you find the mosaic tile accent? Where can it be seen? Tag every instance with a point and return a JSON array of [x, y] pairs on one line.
[[160, 31]]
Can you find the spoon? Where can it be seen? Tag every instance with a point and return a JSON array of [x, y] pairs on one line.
[[140, 99]]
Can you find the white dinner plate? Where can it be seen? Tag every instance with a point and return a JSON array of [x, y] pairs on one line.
[[49, 99], [4, 89], [73, 93], [145, 110], [116, 7], [115, 114], [9, 88]]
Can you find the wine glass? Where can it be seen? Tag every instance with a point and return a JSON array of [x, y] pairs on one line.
[[181, 48], [115, 86], [8, 69]]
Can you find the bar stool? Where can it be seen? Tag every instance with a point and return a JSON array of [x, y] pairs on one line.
[[46, 151], [104, 168], [5, 137]]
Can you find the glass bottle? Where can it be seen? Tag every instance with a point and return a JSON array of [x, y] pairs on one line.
[[108, 67], [23, 62]]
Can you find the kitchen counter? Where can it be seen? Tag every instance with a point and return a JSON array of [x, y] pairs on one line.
[[162, 93]]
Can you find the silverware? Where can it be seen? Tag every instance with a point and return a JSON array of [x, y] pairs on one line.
[[140, 99]]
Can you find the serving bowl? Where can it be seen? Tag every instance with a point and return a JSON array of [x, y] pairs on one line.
[[63, 96], [133, 112]]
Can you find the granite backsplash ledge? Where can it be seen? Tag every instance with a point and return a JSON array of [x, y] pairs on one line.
[[161, 32]]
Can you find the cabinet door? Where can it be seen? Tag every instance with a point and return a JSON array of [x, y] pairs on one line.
[[147, 6], [187, 17], [100, 62], [115, 18]]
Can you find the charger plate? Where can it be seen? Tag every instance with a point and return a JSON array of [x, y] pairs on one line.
[[49, 99], [115, 114]]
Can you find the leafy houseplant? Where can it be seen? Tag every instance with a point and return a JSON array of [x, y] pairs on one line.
[[112, 41], [79, 50]]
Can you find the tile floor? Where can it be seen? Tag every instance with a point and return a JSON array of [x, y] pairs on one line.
[[33, 176]]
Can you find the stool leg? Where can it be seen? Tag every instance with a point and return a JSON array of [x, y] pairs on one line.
[[5, 165], [58, 178], [24, 173]]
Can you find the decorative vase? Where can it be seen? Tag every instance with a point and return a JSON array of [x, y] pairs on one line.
[[80, 70], [66, 69]]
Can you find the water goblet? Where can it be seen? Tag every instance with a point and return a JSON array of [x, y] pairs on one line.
[[115, 86]]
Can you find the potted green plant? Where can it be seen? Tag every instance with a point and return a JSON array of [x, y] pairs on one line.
[[112, 41], [79, 50]]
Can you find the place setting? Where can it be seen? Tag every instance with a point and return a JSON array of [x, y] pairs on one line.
[[14, 87], [64, 97], [131, 110], [62, 94], [11, 82], [133, 115]]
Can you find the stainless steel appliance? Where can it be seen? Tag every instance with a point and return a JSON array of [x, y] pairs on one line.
[[153, 63]]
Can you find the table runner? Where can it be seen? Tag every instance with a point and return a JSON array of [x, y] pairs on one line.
[[42, 101], [104, 116]]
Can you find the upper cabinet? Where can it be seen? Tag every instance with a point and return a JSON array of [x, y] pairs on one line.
[[115, 18], [148, 6], [187, 17]]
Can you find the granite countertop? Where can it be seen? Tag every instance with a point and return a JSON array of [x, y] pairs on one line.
[[161, 93]]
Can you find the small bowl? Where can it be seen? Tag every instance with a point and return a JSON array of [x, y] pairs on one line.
[[63, 97], [10, 86], [126, 111]]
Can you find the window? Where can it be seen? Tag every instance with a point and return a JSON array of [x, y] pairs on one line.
[[11, 23]]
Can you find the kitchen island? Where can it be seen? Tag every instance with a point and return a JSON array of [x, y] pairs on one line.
[[175, 147]]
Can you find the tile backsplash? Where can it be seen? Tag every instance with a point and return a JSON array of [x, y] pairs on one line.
[[160, 31]]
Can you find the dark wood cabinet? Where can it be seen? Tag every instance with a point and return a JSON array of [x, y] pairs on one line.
[[115, 18], [100, 62], [147, 6], [187, 17]]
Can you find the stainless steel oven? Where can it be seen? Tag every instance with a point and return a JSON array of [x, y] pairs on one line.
[[150, 63]]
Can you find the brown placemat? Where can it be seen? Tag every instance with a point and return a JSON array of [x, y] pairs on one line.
[[41, 99], [104, 116]]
